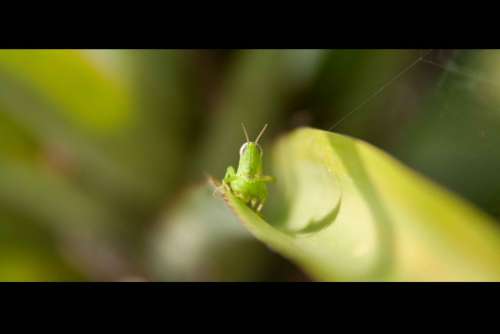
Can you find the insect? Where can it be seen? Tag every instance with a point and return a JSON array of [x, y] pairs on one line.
[[248, 183]]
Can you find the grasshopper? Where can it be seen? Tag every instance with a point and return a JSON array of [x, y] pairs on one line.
[[248, 183]]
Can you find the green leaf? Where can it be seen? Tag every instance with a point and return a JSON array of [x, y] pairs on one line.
[[352, 212]]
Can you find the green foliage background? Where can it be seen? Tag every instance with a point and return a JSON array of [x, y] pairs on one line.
[[103, 153]]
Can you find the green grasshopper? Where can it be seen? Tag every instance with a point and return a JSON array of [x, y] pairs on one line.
[[248, 183]]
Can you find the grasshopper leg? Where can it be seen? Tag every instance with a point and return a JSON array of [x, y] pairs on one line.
[[260, 206], [253, 203], [230, 174], [267, 179], [228, 177]]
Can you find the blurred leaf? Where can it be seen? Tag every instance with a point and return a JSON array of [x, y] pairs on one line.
[[28, 254], [91, 144], [94, 236], [86, 93], [355, 213], [16, 142], [67, 209], [124, 126]]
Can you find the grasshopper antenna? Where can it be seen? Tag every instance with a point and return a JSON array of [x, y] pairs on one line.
[[260, 134], [245, 131]]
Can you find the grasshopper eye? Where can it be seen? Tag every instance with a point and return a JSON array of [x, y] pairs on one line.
[[243, 148]]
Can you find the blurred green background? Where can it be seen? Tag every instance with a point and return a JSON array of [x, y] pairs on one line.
[[103, 153]]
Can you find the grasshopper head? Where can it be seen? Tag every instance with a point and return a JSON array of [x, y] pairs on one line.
[[251, 156], [250, 159]]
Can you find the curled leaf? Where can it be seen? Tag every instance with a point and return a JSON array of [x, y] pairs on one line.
[[352, 212]]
